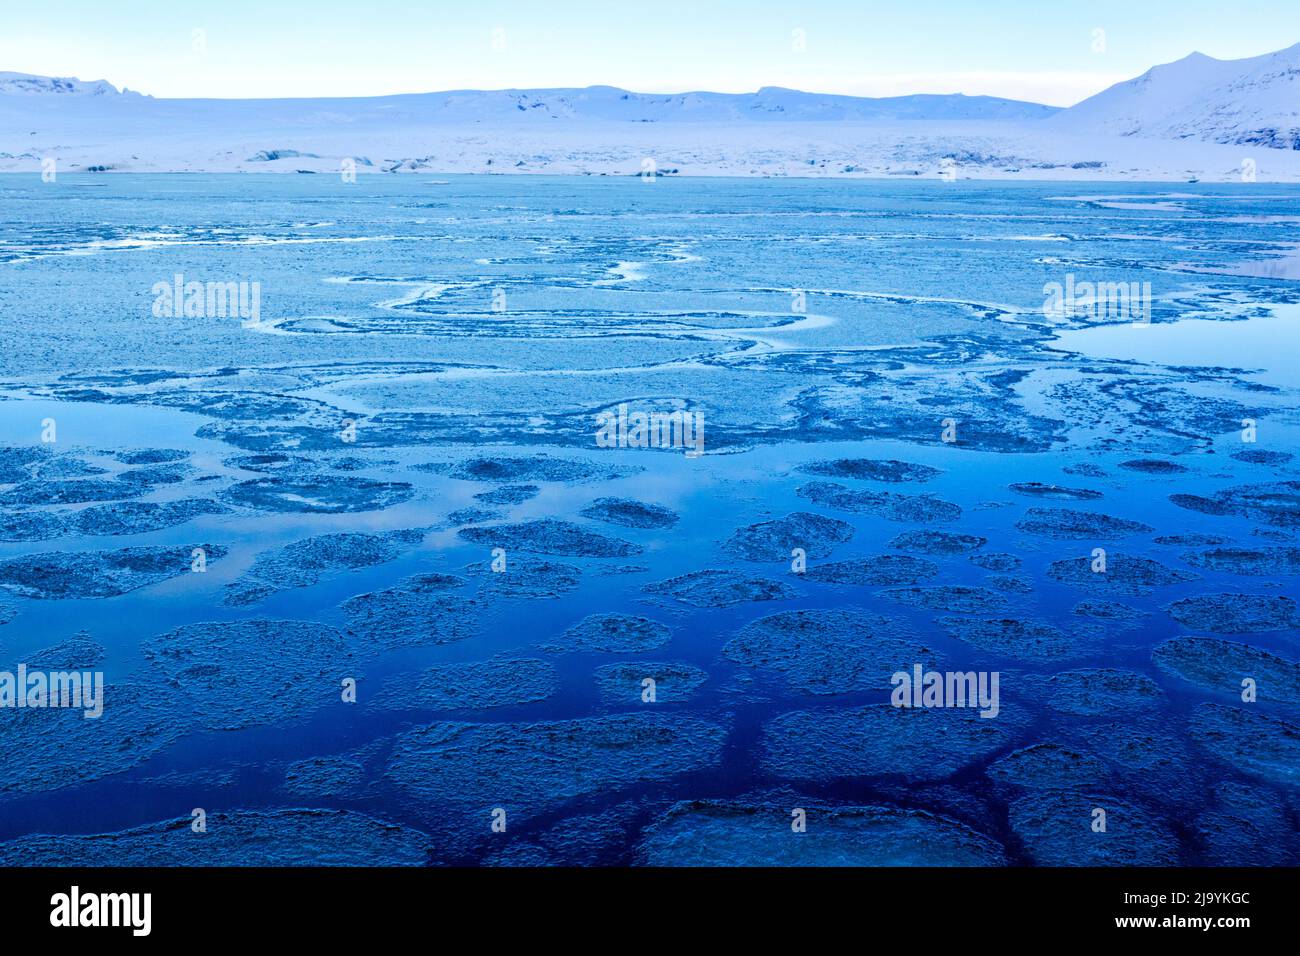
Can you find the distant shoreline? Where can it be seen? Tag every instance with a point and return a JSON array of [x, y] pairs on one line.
[[1099, 179]]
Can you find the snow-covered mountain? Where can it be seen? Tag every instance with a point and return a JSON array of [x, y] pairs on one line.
[[26, 84], [1148, 129], [1254, 101], [599, 103]]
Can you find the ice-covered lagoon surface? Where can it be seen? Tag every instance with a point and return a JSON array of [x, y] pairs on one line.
[[473, 414]]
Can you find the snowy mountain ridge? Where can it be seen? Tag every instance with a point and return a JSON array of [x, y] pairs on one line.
[[1196, 119], [1254, 101], [605, 103], [28, 84]]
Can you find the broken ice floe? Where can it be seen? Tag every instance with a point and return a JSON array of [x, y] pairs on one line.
[[232, 674], [1123, 574], [1024, 640], [61, 575], [472, 685], [716, 587], [880, 571], [1096, 692], [529, 767], [915, 743], [1048, 766], [417, 611], [1254, 743], [1236, 613], [1065, 523], [319, 494], [639, 682], [303, 563], [1276, 503], [866, 469], [1224, 666], [738, 833], [1057, 828], [629, 513], [954, 598], [883, 504], [776, 540], [235, 838], [829, 651], [938, 542], [612, 634], [551, 536]]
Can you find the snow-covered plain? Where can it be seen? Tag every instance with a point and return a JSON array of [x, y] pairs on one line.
[[1197, 119]]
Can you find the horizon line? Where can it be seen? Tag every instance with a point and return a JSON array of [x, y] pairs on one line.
[[125, 90]]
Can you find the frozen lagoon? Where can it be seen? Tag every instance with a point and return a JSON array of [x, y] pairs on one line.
[[352, 462]]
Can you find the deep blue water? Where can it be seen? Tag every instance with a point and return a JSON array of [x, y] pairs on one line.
[[420, 343]]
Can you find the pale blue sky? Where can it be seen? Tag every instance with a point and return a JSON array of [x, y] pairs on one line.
[[1040, 50]]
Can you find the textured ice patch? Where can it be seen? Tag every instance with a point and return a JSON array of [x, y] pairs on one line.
[[1021, 639], [61, 575], [995, 561], [630, 514], [1124, 574], [417, 611], [535, 766], [551, 536], [829, 651], [1257, 562], [1247, 826], [1254, 743], [1154, 466], [232, 674], [715, 587], [1236, 613], [612, 634], [537, 468], [1066, 523], [917, 744], [625, 682], [938, 542], [303, 563], [1222, 666], [71, 492], [475, 685], [524, 578], [31, 525], [917, 509], [318, 494], [1056, 827], [879, 571], [336, 776], [720, 833], [508, 495], [1108, 611], [1095, 692], [956, 598], [1048, 766], [867, 469], [1276, 503], [1037, 489], [51, 748], [235, 838], [775, 540], [138, 517]]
